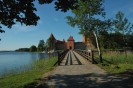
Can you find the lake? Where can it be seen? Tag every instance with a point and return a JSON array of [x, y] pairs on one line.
[[12, 60]]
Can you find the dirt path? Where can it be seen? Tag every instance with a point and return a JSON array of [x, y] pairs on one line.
[[77, 72]]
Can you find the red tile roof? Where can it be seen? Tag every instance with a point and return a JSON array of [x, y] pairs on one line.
[[70, 38]]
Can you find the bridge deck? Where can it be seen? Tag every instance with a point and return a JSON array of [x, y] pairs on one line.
[[77, 72], [71, 59]]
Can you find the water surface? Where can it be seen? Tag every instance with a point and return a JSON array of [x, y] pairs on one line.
[[12, 60]]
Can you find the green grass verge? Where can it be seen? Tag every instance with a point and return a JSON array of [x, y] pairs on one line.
[[115, 62], [30, 76], [120, 68]]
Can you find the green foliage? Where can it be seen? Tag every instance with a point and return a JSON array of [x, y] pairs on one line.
[[33, 48], [1, 31], [23, 11], [41, 46], [47, 44], [129, 40], [39, 68], [120, 36], [85, 19], [115, 40], [18, 11], [23, 50], [84, 15], [111, 40], [122, 24]]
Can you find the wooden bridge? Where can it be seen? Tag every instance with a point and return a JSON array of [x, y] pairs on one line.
[[69, 57], [76, 70]]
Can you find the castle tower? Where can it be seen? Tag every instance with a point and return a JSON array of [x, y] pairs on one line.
[[83, 39], [51, 42], [70, 43]]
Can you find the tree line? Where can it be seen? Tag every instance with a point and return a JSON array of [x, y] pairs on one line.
[[40, 48]]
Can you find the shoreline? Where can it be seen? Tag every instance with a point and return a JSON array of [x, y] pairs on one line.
[[30, 76]]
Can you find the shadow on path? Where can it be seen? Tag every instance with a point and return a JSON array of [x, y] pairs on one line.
[[88, 81]]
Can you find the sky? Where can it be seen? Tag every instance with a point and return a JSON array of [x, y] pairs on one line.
[[51, 21]]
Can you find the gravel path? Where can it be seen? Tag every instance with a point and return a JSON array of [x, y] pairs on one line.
[[77, 72]]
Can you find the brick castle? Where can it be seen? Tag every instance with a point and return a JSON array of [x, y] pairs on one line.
[[55, 44]]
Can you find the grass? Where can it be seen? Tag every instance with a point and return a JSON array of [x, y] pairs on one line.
[[30, 76], [116, 62], [116, 57]]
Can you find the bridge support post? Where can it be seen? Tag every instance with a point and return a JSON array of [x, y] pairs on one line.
[[58, 58], [92, 57]]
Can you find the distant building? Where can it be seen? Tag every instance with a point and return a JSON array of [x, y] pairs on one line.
[[55, 44]]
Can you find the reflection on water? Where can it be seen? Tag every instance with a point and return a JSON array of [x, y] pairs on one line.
[[11, 60]]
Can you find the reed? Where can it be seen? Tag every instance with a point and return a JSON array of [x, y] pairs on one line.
[[117, 62]]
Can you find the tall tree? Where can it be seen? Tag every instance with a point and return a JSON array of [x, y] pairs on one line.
[[123, 26], [85, 18], [41, 46]]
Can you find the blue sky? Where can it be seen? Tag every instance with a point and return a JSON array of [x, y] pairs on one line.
[[20, 36]]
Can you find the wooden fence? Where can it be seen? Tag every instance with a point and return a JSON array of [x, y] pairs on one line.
[[61, 56], [89, 55]]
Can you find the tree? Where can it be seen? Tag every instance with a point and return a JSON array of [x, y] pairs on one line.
[[110, 40], [129, 41], [104, 39], [12, 11], [33, 48], [123, 26], [41, 46], [23, 11], [47, 44], [23, 50], [1, 31], [85, 18]]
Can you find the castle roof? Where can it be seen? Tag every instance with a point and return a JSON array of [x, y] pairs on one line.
[[52, 36], [63, 40], [59, 42], [70, 38]]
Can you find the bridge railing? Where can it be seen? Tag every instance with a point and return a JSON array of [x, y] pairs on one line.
[[61, 56], [89, 55]]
